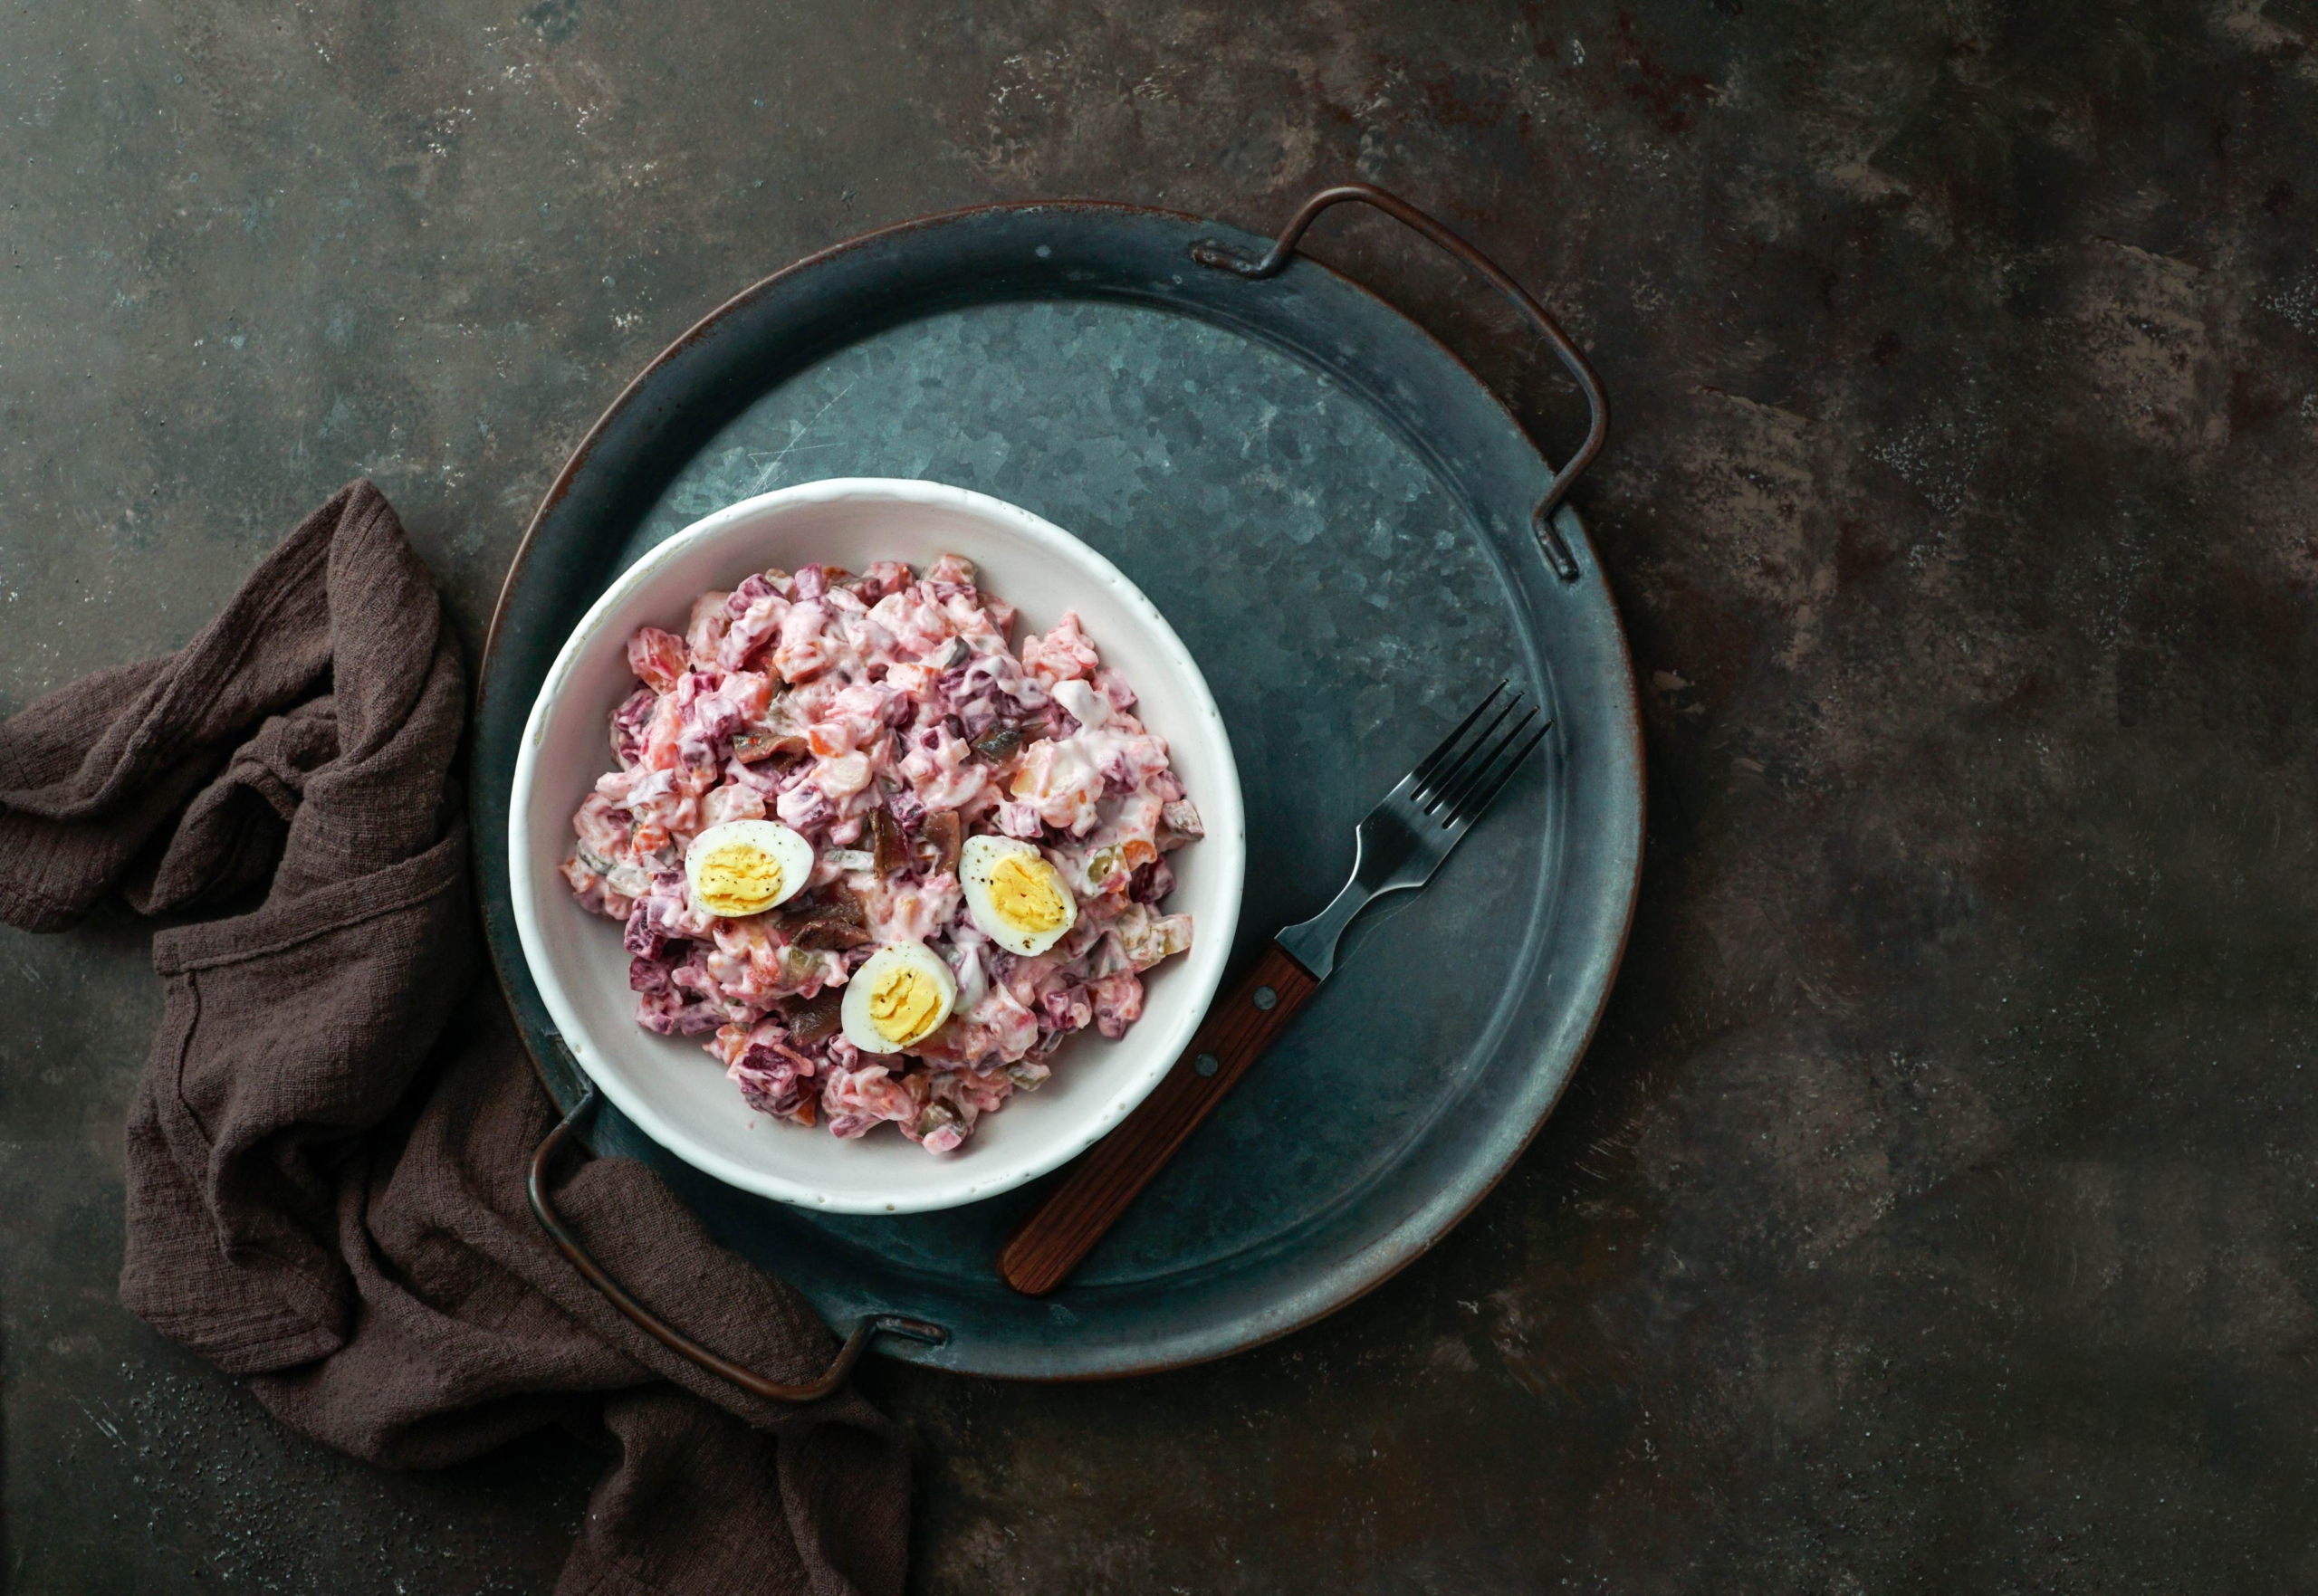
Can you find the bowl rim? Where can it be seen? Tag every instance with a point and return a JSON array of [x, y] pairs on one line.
[[1223, 809]]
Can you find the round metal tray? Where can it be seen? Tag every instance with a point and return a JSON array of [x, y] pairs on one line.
[[1335, 515]]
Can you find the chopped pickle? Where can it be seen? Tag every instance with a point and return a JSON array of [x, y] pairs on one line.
[[814, 1018], [998, 744]]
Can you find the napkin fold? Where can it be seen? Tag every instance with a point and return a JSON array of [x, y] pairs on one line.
[[327, 1152]]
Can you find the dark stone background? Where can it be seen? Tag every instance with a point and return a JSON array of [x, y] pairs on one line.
[[1940, 1204]]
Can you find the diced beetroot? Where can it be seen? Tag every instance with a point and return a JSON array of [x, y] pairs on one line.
[[885, 713]]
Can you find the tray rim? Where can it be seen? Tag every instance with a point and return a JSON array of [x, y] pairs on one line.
[[1400, 1254]]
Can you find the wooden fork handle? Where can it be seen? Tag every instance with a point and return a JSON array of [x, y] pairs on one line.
[[1076, 1214]]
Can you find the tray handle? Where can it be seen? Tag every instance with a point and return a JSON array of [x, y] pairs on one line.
[[1224, 257], [668, 1336]]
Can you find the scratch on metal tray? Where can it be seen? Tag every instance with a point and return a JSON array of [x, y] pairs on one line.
[[109, 1430], [772, 469]]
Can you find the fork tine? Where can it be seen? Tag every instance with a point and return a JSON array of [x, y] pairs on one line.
[[1472, 804], [1426, 794], [1453, 793], [1424, 767]]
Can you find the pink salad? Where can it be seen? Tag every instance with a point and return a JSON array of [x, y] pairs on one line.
[[883, 860]]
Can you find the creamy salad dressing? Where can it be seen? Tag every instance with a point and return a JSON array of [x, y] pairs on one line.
[[884, 719]]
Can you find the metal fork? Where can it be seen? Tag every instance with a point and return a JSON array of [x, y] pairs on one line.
[[1398, 847], [1418, 824]]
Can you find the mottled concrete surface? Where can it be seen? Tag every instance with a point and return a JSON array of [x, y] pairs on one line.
[[1940, 1205]]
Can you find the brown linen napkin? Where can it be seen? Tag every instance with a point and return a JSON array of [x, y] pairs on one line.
[[327, 1153]]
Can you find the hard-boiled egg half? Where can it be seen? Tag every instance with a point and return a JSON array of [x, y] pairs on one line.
[[747, 866], [898, 999], [1017, 898]]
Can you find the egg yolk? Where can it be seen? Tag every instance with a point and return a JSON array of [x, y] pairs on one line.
[[904, 1004], [1024, 893], [739, 879]]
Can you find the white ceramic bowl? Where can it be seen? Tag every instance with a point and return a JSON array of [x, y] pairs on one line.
[[676, 1093]]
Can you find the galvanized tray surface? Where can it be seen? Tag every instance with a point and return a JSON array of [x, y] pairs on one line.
[[1333, 512]]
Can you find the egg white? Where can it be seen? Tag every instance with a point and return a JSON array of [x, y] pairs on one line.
[[791, 852], [854, 1015], [977, 864]]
